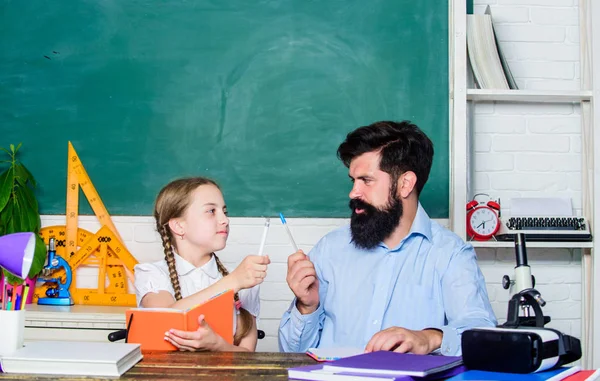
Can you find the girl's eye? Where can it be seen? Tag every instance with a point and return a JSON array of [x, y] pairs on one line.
[[226, 213], [211, 211]]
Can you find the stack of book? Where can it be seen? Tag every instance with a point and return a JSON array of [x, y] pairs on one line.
[[391, 366], [489, 66], [73, 358], [382, 365]]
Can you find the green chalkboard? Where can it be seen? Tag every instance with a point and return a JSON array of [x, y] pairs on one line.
[[255, 94]]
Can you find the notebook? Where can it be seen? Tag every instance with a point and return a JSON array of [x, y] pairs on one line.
[[147, 326], [548, 375], [395, 364], [317, 373], [73, 358], [331, 354]]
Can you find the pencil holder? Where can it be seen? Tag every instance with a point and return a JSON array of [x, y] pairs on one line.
[[12, 327]]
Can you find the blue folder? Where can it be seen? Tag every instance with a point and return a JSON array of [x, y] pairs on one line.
[[480, 375]]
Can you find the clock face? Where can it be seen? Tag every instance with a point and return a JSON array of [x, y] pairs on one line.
[[484, 221]]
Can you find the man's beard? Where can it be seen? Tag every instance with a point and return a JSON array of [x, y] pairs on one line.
[[374, 225]]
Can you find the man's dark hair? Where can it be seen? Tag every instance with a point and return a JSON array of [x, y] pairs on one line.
[[402, 146]]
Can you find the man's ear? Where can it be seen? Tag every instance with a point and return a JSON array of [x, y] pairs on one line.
[[406, 183]]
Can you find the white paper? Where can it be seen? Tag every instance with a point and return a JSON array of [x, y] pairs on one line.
[[330, 354], [541, 207]]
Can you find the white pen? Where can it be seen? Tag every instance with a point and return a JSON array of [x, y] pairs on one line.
[[288, 231], [264, 237]]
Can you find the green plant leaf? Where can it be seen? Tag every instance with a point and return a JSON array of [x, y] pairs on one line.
[[20, 175], [18, 146], [11, 278], [7, 180], [6, 216], [12, 148], [28, 175], [28, 221], [14, 223], [5, 150], [30, 198], [39, 257], [34, 220]]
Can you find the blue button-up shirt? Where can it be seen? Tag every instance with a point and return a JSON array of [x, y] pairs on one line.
[[430, 280]]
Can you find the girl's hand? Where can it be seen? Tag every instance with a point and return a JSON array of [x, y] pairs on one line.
[[251, 271], [203, 339]]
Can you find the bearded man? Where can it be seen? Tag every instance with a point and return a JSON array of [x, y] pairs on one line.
[[394, 279]]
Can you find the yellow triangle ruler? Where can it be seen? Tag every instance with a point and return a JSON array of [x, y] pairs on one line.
[[78, 177], [104, 249], [112, 257]]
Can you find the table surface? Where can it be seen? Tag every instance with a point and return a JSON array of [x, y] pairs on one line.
[[199, 366]]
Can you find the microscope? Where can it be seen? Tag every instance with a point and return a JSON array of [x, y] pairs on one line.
[[525, 296], [58, 294], [522, 344]]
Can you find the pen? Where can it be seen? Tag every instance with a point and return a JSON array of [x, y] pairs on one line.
[[264, 237], [9, 294], [25, 295], [18, 302], [289, 233], [5, 304]]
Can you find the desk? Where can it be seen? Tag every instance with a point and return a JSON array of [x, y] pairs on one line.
[[222, 366]]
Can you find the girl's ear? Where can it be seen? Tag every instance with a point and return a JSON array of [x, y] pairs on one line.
[[176, 227], [406, 183]]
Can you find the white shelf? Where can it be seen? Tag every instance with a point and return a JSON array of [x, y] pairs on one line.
[[77, 316], [534, 96], [530, 245]]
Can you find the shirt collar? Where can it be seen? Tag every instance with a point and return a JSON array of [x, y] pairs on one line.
[[421, 225], [184, 267]]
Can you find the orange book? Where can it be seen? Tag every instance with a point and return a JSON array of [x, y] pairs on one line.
[[147, 326]]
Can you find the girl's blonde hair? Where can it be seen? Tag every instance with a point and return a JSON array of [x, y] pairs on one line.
[[172, 202]]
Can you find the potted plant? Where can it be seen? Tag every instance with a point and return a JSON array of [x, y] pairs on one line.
[[19, 208]]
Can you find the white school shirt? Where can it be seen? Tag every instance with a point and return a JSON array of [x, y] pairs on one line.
[[154, 277]]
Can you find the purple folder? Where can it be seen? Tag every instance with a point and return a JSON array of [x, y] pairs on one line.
[[395, 364], [316, 373]]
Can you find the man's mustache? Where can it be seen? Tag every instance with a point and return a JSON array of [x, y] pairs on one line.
[[356, 203]]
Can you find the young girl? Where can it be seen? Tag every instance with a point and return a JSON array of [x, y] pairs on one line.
[[191, 218]]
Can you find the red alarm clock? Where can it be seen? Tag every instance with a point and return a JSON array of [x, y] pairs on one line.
[[483, 218]]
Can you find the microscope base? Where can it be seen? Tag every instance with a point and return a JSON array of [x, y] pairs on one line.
[[56, 301], [530, 321]]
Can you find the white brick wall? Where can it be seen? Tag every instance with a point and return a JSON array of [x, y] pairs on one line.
[[533, 150], [520, 150]]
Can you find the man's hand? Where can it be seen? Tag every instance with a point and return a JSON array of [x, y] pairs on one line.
[[302, 279], [203, 339], [404, 340]]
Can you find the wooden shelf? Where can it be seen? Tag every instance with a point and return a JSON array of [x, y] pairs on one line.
[[533, 96], [531, 245]]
